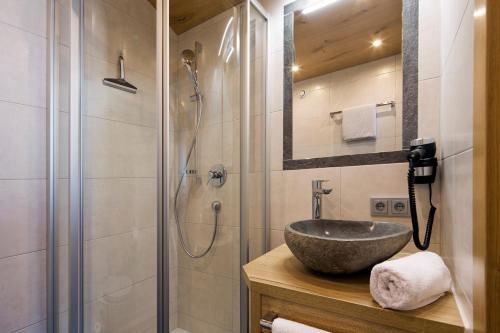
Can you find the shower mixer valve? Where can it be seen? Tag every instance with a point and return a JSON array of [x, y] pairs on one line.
[[217, 175]]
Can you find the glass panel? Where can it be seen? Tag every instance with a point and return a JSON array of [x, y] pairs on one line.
[[120, 166], [204, 118]]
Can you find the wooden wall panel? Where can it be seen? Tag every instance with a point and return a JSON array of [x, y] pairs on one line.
[[486, 300]]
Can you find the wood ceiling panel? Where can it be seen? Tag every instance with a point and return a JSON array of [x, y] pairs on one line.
[[187, 14], [340, 35]]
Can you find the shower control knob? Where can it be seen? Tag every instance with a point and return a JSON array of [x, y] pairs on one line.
[[217, 175]]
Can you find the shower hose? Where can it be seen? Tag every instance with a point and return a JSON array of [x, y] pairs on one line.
[[199, 111]]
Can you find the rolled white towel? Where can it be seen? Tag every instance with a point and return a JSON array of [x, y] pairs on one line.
[[281, 325], [410, 282]]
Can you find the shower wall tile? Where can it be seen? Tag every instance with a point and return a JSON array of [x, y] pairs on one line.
[[120, 168], [23, 67], [276, 141], [22, 216], [22, 165], [22, 296], [110, 33], [231, 146], [119, 261], [231, 102], [137, 10], [456, 138], [429, 99], [452, 13], [28, 15], [457, 89], [115, 149], [22, 141], [429, 39], [206, 298], [210, 147], [276, 84], [277, 238], [132, 309], [118, 205], [40, 327]]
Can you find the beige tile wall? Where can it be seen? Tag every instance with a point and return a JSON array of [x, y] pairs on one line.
[[206, 289], [456, 137], [22, 165], [120, 168], [352, 186], [368, 83]]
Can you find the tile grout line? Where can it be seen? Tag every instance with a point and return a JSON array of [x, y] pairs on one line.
[[23, 30]]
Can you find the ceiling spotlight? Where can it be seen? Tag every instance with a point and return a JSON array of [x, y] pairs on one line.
[[295, 68], [377, 43]]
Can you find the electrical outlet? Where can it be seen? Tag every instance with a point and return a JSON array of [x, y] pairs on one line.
[[398, 207], [379, 207], [389, 207]]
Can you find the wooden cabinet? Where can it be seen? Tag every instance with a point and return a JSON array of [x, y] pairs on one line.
[[279, 283]]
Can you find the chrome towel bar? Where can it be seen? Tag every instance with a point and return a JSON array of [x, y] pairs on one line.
[[267, 321], [391, 103]]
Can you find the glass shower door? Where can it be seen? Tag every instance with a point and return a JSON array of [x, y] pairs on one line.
[[119, 140]]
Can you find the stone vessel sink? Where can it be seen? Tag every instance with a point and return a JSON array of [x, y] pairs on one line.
[[337, 247]]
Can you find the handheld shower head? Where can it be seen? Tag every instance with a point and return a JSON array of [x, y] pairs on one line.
[[188, 57]]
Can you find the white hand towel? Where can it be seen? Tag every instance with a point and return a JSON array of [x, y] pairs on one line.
[[281, 325], [359, 122], [410, 282]]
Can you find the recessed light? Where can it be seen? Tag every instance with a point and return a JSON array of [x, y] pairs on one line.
[[377, 43], [317, 6], [295, 68]]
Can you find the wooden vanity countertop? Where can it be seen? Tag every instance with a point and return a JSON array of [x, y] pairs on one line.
[[280, 275]]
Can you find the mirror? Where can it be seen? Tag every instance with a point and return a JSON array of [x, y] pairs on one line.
[[344, 77]]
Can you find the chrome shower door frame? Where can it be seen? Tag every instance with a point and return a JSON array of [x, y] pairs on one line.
[[245, 123], [76, 105]]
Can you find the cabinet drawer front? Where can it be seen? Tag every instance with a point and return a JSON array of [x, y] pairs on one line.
[[325, 320]]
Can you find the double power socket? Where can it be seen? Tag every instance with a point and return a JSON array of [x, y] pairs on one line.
[[389, 207]]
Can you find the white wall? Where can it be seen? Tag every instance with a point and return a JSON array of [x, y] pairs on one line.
[[369, 83], [352, 186], [456, 136], [23, 39]]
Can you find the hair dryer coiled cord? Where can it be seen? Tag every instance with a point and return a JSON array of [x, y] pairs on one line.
[[413, 212]]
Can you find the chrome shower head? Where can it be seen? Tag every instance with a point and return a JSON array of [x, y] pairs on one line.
[[188, 57]]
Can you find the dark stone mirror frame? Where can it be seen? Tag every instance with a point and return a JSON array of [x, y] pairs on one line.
[[410, 97]]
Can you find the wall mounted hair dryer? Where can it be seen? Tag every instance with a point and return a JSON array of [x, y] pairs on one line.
[[422, 170]]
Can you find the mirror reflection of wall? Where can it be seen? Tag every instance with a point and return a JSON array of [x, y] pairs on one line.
[[347, 77]]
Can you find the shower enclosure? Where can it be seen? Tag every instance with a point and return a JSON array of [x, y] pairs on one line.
[[157, 166]]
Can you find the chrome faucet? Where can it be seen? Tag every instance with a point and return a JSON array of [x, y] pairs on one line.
[[317, 193]]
